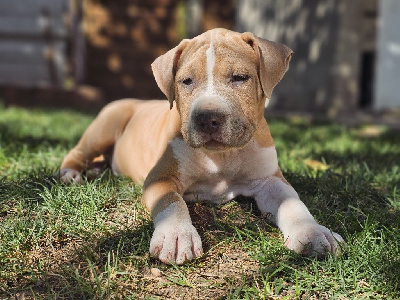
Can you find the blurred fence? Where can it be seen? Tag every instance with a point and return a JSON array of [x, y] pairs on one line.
[[89, 52]]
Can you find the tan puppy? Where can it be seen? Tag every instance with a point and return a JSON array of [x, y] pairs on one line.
[[213, 145]]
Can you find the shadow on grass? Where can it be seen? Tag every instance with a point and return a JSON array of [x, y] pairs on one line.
[[369, 162], [342, 202], [84, 274], [74, 267], [330, 196], [25, 189], [324, 130], [14, 141]]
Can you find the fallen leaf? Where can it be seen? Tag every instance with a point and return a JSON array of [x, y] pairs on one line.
[[316, 165]]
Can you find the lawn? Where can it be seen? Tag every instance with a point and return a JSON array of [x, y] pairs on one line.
[[91, 241]]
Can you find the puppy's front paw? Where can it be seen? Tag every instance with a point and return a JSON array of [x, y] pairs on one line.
[[69, 176], [174, 242], [312, 239]]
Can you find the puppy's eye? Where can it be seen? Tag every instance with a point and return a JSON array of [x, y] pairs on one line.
[[187, 81], [240, 78]]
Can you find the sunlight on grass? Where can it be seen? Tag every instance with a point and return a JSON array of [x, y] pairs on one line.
[[91, 241]]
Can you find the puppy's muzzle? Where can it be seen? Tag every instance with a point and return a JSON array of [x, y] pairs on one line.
[[215, 126], [209, 121]]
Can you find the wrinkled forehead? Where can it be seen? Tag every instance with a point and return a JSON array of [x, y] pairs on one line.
[[220, 49]]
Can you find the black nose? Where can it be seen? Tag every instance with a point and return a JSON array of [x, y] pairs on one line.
[[209, 121]]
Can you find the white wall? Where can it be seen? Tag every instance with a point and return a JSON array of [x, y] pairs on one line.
[[388, 59]]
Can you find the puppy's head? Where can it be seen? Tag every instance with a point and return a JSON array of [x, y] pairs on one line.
[[219, 81]]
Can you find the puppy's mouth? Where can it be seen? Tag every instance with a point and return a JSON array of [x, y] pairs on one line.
[[207, 142], [229, 135], [215, 145]]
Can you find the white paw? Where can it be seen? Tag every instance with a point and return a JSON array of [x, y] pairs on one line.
[[312, 239], [69, 176], [176, 242]]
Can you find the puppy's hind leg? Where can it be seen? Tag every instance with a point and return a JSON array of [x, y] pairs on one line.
[[98, 165], [97, 140]]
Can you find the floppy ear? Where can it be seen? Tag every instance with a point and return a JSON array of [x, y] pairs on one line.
[[164, 70], [273, 60]]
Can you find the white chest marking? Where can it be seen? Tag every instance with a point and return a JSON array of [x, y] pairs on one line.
[[219, 177]]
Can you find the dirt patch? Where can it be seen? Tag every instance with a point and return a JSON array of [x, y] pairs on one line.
[[224, 268], [125, 268]]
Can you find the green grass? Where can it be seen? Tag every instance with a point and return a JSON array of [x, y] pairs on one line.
[[91, 241]]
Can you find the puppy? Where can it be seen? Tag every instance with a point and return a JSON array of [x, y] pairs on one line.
[[211, 142]]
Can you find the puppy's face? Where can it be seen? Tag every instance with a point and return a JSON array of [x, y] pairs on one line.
[[219, 81], [218, 92]]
